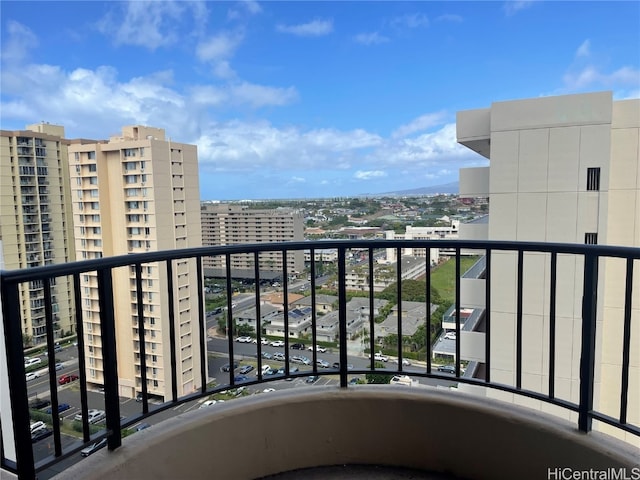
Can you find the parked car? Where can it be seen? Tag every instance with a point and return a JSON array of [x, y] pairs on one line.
[[227, 367], [39, 403], [40, 433], [139, 397], [32, 361], [240, 378], [263, 341], [336, 365], [36, 425], [68, 378], [244, 339], [207, 403], [59, 366], [31, 376], [142, 426], [245, 369], [268, 390], [93, 448], [450, 336], [312, 378], [297, 346], [265, 369], [61, 408], [318, 348], [447, 369], [93, 415], [96, 415], [322, 363], [277, 343], [279, 356], [267, 355]]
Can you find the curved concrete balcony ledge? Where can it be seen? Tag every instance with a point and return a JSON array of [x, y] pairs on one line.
[[433, 431]]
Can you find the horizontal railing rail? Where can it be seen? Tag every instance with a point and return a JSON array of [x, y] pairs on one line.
[[506, 267]]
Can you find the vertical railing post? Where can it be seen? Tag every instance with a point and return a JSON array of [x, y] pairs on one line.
[[12, 324], [141, 339], [342, 315], [588, 346], [109, 358], [172, 332]]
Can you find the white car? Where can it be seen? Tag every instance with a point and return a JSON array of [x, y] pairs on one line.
[[37, 425], [450, 336], [96, 415], [318, 348], [31, 376], [93, 415], [277, 343], [207, 403], [268, 390], [265, 369], [263, 341], [244, 339], [405, 362], [380, 357]]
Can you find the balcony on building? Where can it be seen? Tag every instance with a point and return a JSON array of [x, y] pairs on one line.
[[441, 426]]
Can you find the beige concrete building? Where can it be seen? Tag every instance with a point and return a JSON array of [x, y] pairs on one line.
[[562, 169], [134, 193], [227, 224], [35, 221]]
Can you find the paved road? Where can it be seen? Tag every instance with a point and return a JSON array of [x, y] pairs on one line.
[[246, 354]]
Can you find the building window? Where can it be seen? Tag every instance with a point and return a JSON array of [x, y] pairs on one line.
[[593, 178], [591, 238], [91, 155], [93, 167]]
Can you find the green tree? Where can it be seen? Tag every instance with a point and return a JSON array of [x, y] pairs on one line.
[[412, 291], [244, 330], [378, 378]]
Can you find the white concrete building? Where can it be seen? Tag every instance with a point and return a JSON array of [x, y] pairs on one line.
[[562, 169], [422, 233]]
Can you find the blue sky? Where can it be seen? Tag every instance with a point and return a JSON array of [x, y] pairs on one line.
[[306, 99]]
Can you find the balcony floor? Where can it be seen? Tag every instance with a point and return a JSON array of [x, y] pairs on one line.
[[359, 472]]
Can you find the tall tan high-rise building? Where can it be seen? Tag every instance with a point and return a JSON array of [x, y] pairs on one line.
[[562, 169], [228, 224], [139, 192], [35, 221]]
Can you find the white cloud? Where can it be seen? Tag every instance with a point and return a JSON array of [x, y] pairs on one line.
[[218, 47], [297, 180], [584, 49], [421, 123], [243, 93], [244, 6], [414, 20], [20, 40], [511, 7], [591, 77], [449, 17], [373, 38], [316, 28], [149, 24], [368, 175]]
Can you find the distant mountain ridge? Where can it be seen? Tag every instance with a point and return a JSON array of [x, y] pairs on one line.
[[452, 187]]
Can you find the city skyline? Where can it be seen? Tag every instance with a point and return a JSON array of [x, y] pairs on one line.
[[306, 99]]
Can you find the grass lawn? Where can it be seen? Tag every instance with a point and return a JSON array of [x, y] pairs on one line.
[[443, 278]]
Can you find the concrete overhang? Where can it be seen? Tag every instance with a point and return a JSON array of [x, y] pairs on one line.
[[473, 130]]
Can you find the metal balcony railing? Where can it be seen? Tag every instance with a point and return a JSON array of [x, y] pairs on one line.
[[17, 451]]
